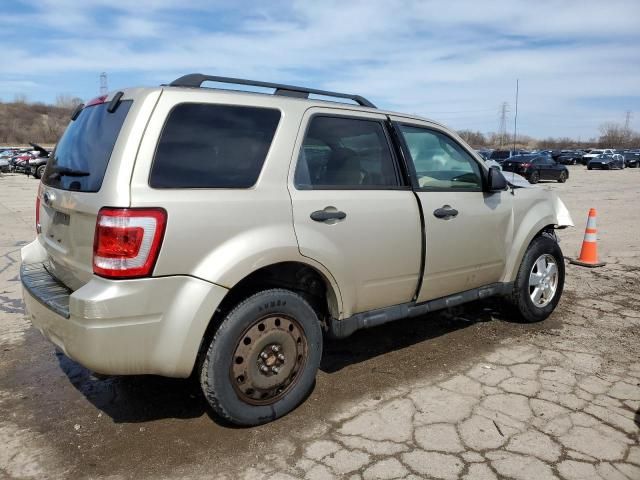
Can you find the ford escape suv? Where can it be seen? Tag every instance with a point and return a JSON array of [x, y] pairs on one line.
[[188, 230]]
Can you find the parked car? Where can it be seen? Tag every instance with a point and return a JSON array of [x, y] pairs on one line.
[[21, 162], [569, 157], [5, 166], [536, 167], [632, 159], [486, 154], [187, 241], [593, 153], [607, 161], [39, 161]]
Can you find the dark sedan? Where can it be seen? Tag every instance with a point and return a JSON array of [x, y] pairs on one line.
[[536, 167], [607, 161], [570, 158], [632, 159]]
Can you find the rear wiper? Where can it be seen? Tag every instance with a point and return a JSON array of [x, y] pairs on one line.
[[68, 172]]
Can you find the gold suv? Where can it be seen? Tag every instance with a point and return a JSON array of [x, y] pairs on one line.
[[183, 229]]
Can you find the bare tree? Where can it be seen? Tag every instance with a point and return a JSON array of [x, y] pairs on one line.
[[475, 139], [64, 100]]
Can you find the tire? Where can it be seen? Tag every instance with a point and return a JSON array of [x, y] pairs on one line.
[[279, 324], [534, 177], [589, 168], [563, 177], [39, 171], [521, 297], [574, 162]]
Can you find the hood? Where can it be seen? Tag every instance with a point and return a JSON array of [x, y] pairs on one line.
[[43, 152]]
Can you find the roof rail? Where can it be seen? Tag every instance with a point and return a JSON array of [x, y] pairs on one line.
[[197, 79]]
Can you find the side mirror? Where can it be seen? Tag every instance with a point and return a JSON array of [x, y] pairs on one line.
[[496, 181]]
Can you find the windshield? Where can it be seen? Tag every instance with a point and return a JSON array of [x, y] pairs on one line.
[[81, 157]]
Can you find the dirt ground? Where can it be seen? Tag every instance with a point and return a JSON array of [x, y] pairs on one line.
[[463, 394]]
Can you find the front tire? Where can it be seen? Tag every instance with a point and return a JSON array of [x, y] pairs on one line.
[[534, 178], [540, 281], [263, 358]]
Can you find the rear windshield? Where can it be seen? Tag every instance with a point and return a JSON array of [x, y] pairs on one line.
[[81, 156], [213, 146]]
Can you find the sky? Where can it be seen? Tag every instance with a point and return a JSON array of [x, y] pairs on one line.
[[578, 62]]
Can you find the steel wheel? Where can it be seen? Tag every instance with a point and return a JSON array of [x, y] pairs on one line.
[[267, 359], [543, 280]]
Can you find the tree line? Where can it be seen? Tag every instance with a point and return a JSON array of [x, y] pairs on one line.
[[22, 122], [612, 135]]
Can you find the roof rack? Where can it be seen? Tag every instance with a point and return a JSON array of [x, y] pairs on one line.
[[197, 79]]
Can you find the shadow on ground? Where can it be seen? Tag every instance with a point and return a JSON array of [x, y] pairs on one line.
[[134, 399]]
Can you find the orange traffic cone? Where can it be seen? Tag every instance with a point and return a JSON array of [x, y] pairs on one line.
[[589, 253]]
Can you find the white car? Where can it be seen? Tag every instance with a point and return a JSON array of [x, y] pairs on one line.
[[594, 153]]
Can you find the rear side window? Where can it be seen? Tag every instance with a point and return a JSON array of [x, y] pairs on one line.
[[213, 146], [81, 156], [345, 153]]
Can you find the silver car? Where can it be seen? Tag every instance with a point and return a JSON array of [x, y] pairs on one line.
[[184, 230]]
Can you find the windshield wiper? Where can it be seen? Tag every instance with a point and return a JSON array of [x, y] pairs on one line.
[[68, 172]]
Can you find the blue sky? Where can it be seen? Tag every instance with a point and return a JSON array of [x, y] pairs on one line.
[[456, 61]]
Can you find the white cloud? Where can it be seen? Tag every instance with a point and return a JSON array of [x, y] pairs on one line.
[[460, 58]]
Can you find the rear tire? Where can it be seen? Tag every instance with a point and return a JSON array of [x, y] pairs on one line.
[[542, 268], [263, 358]]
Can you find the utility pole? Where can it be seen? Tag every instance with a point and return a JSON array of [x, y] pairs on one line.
[[515, 118], [104, 89]]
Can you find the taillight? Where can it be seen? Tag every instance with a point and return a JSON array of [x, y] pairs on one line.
[[38, 227], [127, 241]]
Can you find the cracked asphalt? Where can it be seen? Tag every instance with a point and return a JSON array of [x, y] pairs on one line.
[[465, 393]]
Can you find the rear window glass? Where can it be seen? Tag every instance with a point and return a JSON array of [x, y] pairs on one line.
[[213, 146], [82, 154]]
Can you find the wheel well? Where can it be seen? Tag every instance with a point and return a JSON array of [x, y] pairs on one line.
[[548, 231], [295, 276]]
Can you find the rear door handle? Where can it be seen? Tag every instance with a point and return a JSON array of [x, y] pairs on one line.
[[325, 215], [445, 212]]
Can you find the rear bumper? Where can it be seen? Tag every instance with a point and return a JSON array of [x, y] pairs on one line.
[[122, 327]]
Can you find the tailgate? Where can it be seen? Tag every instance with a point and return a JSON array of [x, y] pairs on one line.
[[74, 189]]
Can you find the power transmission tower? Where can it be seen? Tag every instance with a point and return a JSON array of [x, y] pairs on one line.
[[627, 126], [103, 83], [502, 131]]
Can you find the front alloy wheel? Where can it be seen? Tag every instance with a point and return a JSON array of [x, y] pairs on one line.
[[540, 280], [543, 280]]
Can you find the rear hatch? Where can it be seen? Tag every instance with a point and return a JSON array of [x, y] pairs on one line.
[[71, 195]]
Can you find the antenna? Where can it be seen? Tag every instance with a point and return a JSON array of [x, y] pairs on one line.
[[103, 83], [515, 118]]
